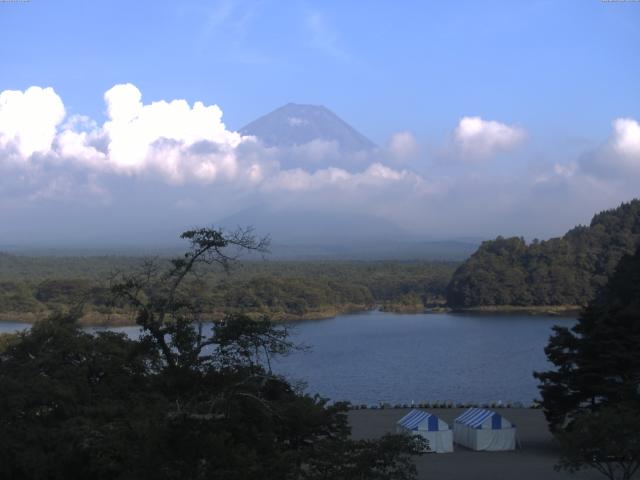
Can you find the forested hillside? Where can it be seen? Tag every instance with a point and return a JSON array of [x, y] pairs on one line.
[[559, 271], [33, 287]]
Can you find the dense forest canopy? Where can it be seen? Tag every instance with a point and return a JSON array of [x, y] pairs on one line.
[[560, 271], [34, 286]]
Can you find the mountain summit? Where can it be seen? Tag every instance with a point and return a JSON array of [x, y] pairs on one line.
[[295, 124]]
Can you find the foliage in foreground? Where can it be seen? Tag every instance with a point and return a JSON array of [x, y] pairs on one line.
[[607, 440], [592, 397], [179, 403]]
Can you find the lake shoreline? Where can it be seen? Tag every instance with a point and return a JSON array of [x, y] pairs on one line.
[[560, 310], [98, 319]]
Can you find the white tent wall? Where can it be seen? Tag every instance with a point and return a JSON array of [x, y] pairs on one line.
[[439, 442], [438, 435], [484, 439], [480, 429]]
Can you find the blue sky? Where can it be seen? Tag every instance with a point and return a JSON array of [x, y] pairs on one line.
[[558, 66], [561, 72]]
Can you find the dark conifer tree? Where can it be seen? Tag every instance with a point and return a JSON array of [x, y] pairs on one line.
[[592, 397], [597, 362]]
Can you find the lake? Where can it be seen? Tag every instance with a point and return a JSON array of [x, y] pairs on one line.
[[375, 356]]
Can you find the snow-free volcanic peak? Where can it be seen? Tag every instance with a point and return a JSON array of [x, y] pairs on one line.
[[295, 124]]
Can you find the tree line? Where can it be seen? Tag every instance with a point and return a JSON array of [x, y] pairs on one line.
[[561, 271], [35, 286]]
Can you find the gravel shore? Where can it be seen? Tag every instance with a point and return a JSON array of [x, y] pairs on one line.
[[533, 461]]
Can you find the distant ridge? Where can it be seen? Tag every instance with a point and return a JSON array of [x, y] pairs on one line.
[[295, 124]]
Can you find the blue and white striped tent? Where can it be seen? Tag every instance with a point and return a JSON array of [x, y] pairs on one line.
[[480, 429], [435, 431]]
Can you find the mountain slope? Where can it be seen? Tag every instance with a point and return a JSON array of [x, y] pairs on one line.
[[295, 124], [301, 226], [560, 271], [302, 234]]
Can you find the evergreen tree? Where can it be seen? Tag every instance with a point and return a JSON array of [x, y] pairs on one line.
[[598, 360], [591, 398]]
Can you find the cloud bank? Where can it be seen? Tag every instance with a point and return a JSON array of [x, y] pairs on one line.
[[173, 163], [175, 140]]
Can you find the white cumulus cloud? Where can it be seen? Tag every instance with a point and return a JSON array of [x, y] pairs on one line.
[[159, 133], [174, 139], [626, 137], [403, 147], [477, 138], [619, 156], [28, 120]]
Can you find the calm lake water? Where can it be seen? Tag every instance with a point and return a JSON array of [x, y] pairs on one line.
[[376, 356]]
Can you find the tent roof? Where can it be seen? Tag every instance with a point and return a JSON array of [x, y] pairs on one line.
[[476, 417], [413, 419]]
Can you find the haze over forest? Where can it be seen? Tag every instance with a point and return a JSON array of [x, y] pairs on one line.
[[427, 145]]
